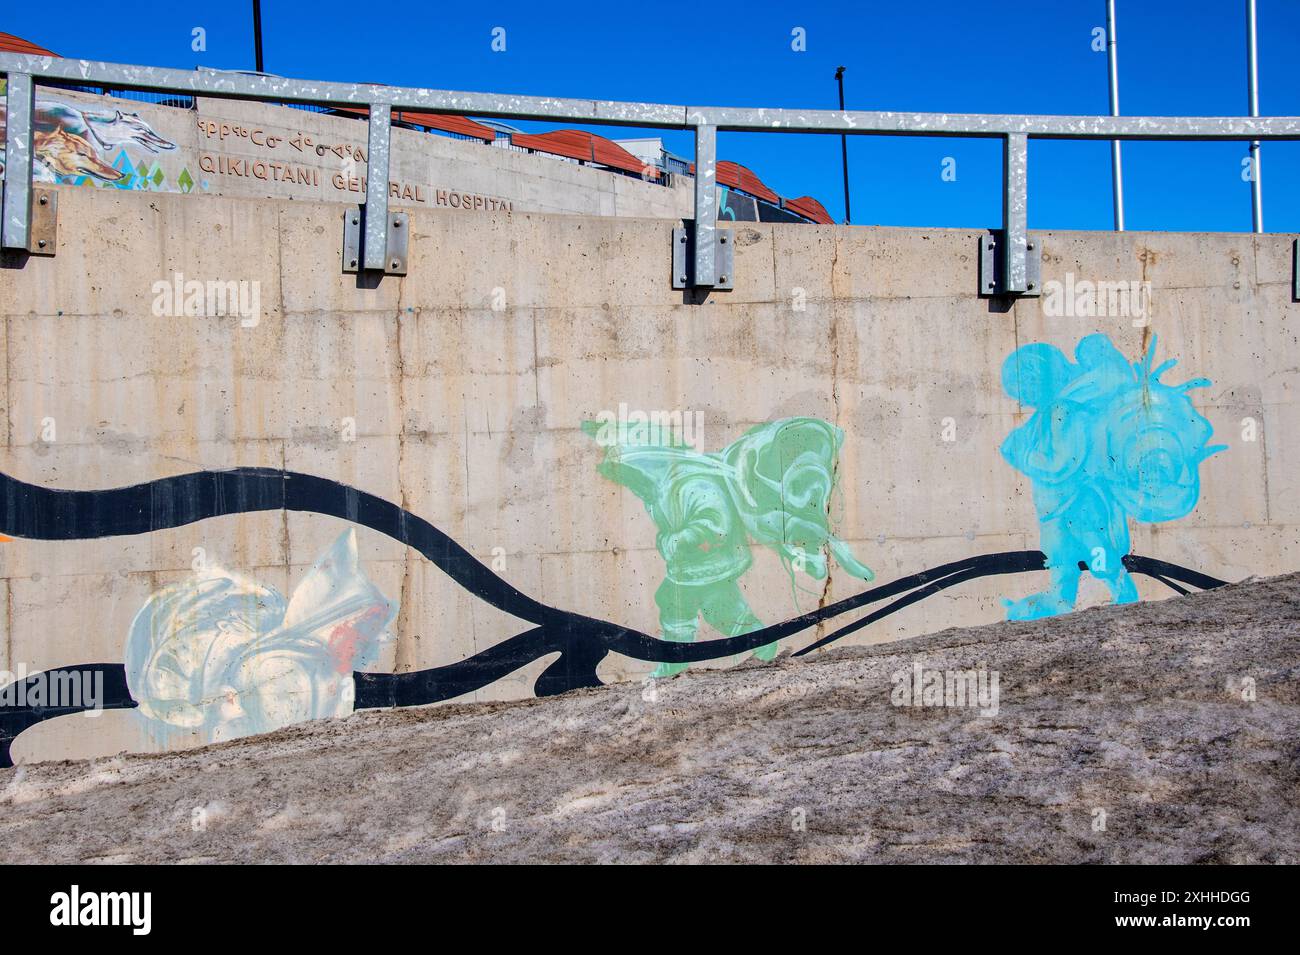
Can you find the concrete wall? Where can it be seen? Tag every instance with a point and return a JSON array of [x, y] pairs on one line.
[[537, 183], [469, 416]]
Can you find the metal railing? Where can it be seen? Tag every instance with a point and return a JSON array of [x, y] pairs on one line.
[[1014, 131]]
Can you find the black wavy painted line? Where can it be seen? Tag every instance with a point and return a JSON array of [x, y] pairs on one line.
[[1014, 562], [42, 513], [30, 511], [1011, 562]]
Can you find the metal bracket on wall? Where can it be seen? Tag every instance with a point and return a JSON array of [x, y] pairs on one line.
[[993, 258], [43, 236], [354, 241], [684, 259]]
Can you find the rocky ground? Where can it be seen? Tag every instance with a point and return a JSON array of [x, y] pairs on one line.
[[1122, 735]]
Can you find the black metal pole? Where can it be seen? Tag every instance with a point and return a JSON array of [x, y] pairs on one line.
[[257, 32], [844, 147]]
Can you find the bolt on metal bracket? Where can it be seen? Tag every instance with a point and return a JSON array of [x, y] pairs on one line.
[[684, 259], [354, 241], [993, 269]]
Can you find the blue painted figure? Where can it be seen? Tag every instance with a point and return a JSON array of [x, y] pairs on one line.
[[1108, 442]]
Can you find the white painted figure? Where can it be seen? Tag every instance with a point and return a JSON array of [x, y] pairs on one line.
[[221, 656]]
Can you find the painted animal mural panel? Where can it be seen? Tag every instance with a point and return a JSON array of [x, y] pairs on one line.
[[73, 144], [222, 655]]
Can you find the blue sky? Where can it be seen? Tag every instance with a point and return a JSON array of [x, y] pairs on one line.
[[1016, 56]]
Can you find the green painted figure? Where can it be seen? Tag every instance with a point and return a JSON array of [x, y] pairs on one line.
[[773, 486]]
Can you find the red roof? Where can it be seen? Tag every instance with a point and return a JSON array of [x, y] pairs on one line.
[[448, 124], [810, 208], [577, 144], [738, 177], [16, 44]]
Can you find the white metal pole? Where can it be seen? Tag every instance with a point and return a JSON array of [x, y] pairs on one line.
[[1116, 167], [1252, 83]]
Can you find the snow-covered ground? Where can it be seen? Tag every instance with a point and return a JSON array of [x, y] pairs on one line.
[[1122, 734]]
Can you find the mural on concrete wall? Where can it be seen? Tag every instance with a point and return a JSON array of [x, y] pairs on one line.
[[1108, 442], [773, 486], [75, 145], [223, 656]]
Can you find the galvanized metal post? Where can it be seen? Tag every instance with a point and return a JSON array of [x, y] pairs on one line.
[[376, 208], [706, 205], [1015, 212], [1116, 166], [16, 207], [1252, 83]]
